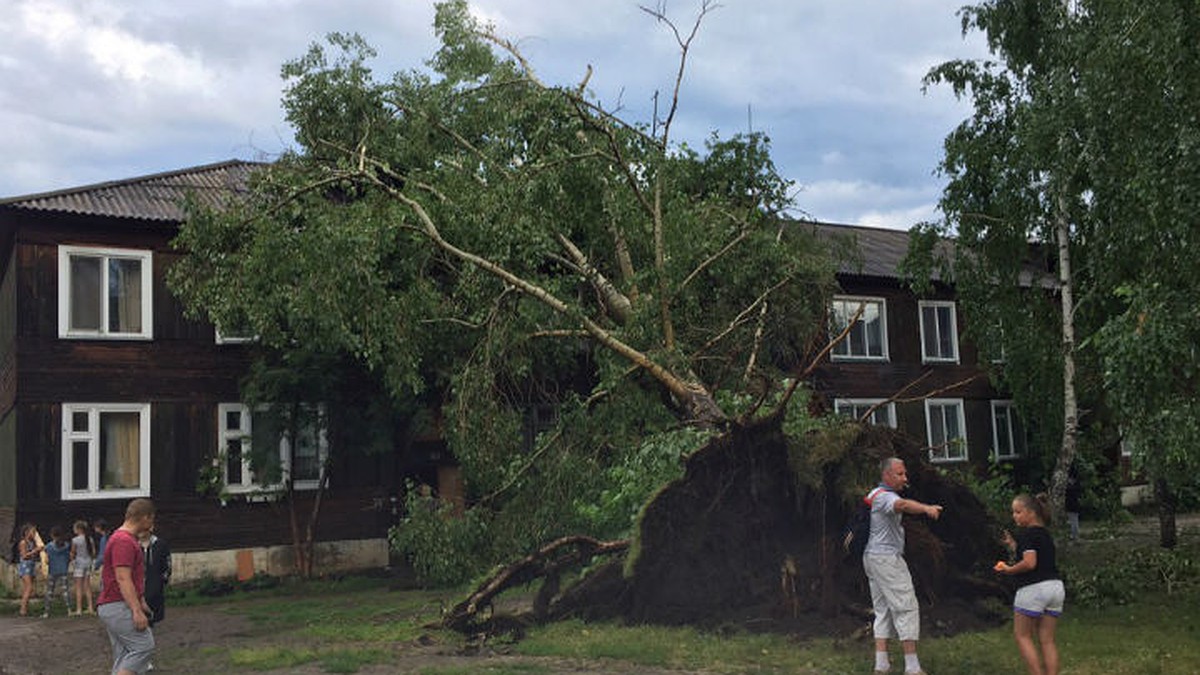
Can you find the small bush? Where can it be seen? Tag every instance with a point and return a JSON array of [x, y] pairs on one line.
[[212, 587], [1132, 573], [442, 548]]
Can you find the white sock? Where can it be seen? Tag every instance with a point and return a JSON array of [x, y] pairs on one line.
[[911, 663], [881, 661]]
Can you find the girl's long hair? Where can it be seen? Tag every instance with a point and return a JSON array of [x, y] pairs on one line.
[[81, 527]]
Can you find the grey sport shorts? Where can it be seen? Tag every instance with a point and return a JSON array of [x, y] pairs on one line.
[[132, 648]]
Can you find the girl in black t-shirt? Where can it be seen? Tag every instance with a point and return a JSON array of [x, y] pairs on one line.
[[1040, 594]]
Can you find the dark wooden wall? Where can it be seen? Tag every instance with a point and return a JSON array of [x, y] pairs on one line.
[[883, 379], [182, 373]]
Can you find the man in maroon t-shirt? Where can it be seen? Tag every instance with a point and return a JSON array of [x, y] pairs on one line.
[[122, 605]]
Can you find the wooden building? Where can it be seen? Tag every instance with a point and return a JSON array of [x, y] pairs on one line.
[[904, 362], [108, 392]]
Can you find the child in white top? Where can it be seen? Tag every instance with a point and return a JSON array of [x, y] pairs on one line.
[[83, 552]]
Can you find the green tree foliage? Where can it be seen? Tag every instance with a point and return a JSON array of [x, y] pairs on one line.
[[1087, 118], [489, 244]]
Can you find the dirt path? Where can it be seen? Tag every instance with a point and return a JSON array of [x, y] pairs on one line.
[[62, 645]]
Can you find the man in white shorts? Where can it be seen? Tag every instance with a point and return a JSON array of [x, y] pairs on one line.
[[897, 614]]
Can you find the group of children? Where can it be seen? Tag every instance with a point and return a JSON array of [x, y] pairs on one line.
[[76, 559]]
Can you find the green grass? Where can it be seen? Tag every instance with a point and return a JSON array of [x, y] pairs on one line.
[[347, 625]]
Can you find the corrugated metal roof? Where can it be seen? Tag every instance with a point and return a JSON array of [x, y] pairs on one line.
[[157, 197]]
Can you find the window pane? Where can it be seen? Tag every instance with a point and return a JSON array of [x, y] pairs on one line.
[[929, 322], [85, 293], [937, 429], [233, 462], [233, 420], [857, 339], [874, 330], [124, 295], [120, 450], [79, 422], [1003, 438], [265, 436], [305, 465], [79, 465], [952, 430], [945, 330]]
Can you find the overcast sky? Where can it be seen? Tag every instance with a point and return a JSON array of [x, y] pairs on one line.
[[97, 90]]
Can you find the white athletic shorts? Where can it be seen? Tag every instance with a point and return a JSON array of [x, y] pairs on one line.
[[1045, 598]]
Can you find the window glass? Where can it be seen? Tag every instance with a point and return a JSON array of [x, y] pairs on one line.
[[939, 334], [104, 293], [105, 450], [124, 295], [85, 293], [867, 336], [120, 454], [947, 438], [79, 465]]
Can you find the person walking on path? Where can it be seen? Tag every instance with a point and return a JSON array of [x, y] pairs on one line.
[[1040, 593], [122, 601], [897, 614]]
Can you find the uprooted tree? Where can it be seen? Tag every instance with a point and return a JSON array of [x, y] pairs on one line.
[[494, 244]]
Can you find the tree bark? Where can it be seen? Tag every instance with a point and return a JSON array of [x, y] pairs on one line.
[[1066, 455], [1165, 498]]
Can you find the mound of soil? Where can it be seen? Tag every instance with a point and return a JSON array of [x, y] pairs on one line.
[[750, 538]]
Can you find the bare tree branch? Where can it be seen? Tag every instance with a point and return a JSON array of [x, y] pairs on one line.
[[685, 44]]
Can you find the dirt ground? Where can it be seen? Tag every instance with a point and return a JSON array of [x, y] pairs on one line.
[[60, 645]]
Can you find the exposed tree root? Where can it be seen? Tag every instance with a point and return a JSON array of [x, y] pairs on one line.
[[548, 562]]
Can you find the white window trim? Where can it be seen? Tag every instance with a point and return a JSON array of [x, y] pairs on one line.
[[285, 454], [1012, 434], [962, 424], [69, 437], [64, 293], [890, 406], [883, 332], [921, 305]]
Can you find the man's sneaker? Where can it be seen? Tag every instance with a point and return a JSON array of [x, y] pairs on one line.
[[45, 615]]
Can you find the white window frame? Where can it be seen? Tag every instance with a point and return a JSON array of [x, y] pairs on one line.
[[854, 301], [943, 454], [91, 436], [939, 358], [888, 408], [1011, 430], [244, 432], [64, 292]]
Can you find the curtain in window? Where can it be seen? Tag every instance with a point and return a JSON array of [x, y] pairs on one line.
[[124, 295], [120, 450]]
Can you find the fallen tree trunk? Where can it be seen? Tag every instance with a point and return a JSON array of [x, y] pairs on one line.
[[547, 563]]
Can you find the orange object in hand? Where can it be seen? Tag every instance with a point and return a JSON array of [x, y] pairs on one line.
[[999, 566]]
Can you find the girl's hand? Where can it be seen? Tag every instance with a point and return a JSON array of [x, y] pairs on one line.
[[1000, 566]]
